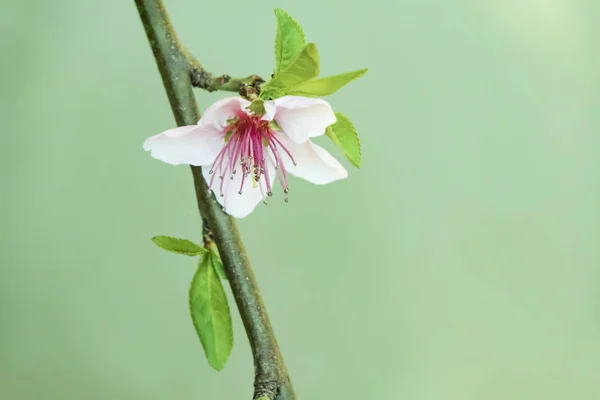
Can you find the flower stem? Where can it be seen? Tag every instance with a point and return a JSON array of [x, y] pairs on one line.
[[178, 70]]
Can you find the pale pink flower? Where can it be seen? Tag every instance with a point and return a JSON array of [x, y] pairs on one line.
[[242, 154]]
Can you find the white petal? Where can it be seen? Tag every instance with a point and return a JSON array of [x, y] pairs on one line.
[[302, 118], [186, 145], [269, 110], [236, 204], [218, 113], [313, 162]]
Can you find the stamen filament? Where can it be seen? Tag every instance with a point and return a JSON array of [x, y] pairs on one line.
[[253, 148]]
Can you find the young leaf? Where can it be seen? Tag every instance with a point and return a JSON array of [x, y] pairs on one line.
[[210, 314], [217, 262], [270, 92], [288, 41], [180, 246], [302, 68], [325, 86], [344, 135]]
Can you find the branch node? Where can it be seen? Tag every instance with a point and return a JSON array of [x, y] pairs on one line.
[[249, 92], [201, 79], [256, 81], [265, 390], [207, 234]]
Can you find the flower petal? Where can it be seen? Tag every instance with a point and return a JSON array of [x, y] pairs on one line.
[[302, 117], [269, 110], [313, 163], [236, 204], [186, 145], [218, 113]]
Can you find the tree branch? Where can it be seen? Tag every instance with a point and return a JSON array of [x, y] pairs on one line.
[[178, 69]]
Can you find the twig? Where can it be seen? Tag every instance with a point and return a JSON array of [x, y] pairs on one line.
[[203, 79], [179, 70]]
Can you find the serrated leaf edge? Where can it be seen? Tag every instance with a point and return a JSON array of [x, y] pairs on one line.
[[356, 74], [336, 141], [211, 270], [279, 28], [270, 85], [201, 250]]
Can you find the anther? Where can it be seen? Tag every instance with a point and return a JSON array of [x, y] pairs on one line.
[[240, 192], [269, 194], [211, 171], [264, 201], [286, 190], [286, 199]]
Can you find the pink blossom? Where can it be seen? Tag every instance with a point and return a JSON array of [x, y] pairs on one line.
[[242, 154]]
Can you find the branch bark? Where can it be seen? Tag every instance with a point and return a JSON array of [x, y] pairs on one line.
[[180, 71]]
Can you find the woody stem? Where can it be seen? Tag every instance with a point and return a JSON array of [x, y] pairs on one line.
[[179, 72]]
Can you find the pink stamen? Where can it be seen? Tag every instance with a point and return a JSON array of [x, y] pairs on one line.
[[284, 149], [246, 150], [281, 172]]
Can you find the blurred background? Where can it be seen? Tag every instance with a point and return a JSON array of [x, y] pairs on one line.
[[460, 262]]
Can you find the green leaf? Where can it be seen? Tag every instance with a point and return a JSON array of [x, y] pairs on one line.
[[270, 92], [217, 262], [344, 135], [288, 41], [303, 67], [210, 314], [326, 86], [179, 246]]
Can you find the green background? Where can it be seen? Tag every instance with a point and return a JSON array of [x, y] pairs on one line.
[[461, 262]]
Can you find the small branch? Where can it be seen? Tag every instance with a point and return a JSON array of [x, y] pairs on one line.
[[203, 79], [178, 69]]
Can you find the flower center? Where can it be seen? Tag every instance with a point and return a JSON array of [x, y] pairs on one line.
[[251, 147]]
